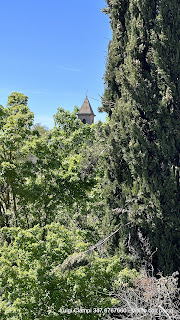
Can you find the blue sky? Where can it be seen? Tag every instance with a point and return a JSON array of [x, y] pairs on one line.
[[54, 52]]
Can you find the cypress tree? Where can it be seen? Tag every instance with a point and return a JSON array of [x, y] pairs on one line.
[[116, 10], [142, 85]]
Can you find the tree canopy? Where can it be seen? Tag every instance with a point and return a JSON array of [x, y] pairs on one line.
[[89, 214]]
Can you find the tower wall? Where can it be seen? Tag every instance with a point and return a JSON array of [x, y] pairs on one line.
[[86, 118]]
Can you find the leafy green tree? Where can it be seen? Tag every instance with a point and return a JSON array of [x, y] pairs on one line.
[[40, 170], [142, 160], [16, 99], [55, 182], [40, 278], [16, 122]]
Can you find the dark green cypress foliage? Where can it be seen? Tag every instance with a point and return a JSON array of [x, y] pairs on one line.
[[117, 11], [143, 160]]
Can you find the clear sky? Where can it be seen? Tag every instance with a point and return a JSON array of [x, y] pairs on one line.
[[54, 52]]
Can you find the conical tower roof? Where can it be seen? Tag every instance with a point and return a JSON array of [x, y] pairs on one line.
[[86, 108]]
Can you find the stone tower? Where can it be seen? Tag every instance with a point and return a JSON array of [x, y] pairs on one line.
[[86, 114]]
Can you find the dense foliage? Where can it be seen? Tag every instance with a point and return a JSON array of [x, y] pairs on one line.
[[50, 217], [35, 284], [84, 209], [142, 98]]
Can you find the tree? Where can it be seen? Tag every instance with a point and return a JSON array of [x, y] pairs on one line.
[[16, 122], [40, 169], [143, 134], [54, 182], [34, 285], [117, 12], [16, 99]]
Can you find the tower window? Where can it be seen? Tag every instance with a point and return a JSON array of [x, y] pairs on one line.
[[84, 121]]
